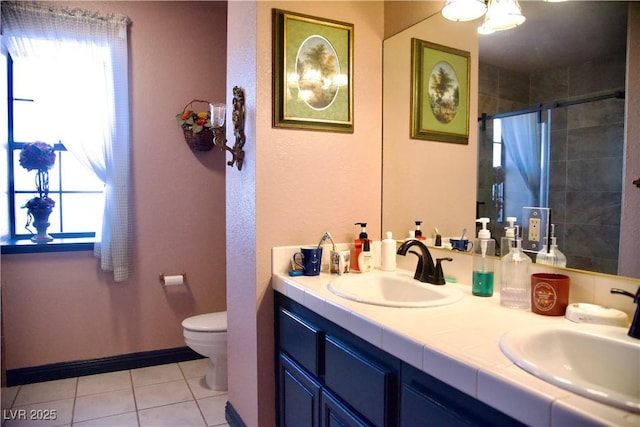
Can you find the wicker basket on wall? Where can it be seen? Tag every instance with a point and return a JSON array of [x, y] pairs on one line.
[[200, 141]]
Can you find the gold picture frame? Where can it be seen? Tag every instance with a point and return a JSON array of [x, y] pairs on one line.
[[312, 73], [440, 78]]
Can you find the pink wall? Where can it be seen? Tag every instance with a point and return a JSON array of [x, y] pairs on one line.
[[297, 184], [59, 306]]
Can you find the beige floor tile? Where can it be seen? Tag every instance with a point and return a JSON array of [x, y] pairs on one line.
[[194, 368], [161, 394], [156, 374], [185, 414], [129, 419], [44, 414], [103, 404], [213, 409], [101, 383], [200, 389], [8, 396], [46, 391]]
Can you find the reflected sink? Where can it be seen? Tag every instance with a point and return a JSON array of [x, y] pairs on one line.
[[598, 362], [393, 290]]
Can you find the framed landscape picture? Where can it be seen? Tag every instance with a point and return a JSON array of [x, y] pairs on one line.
[[312, 73], [439, 92]]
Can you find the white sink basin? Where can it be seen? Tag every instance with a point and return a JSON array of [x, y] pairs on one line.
[[598, 362], [393, 290]]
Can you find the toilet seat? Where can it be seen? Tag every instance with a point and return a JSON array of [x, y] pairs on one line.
[[209, 322]]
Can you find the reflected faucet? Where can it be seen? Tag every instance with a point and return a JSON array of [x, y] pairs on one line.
[[426, 271], [634, 329]]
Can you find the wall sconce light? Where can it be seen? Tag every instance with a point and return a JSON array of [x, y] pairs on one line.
[[218, 119]]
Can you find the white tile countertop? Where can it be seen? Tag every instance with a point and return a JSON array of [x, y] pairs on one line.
[[458, 344]]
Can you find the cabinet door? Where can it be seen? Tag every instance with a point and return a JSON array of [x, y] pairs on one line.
[[335, 414], [419, 410], [301, 340], [298, 395], [369, 387], [427, 401]]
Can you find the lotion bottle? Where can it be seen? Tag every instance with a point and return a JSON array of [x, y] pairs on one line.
[[388, 253], [358, 245], [365, 258], [484, 249]]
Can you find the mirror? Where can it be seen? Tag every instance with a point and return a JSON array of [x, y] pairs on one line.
[[429, 181]]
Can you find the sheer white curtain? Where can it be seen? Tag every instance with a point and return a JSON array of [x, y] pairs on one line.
[[521, 140], [87, 102]]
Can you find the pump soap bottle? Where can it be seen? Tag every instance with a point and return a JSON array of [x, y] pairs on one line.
[[509, 234], [358, 244], [515, 282], [484, 248], [418, 232], [550, 254]]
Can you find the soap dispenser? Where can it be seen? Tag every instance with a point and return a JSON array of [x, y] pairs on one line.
[[515, 282], [550, 254], [358, 244], [484, 248], [418, 232], [509, 234]]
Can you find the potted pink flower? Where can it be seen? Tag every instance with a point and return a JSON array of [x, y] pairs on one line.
[[40, 157]]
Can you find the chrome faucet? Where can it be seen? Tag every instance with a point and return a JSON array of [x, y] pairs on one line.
[[634, 329], [426, 271]]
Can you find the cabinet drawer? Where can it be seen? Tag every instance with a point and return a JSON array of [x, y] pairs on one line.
[[365, 385], [302, 341]]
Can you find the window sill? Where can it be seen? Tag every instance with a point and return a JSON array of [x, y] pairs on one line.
[[26, 246]]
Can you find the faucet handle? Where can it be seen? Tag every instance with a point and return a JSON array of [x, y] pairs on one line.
[[438, 277], [634, 328]]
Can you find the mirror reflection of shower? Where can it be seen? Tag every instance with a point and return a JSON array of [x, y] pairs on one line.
[[566, 156]]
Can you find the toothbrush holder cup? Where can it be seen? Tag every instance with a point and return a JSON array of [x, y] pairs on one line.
[[463, 245], [309, 259]]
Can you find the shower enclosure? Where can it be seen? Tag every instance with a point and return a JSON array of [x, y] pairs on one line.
[[567, 156]]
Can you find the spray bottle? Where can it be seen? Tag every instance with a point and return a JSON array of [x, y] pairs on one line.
[[509, 235], [483, 251], [550, 254]]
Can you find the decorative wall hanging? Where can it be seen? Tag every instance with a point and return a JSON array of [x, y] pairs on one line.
[[196, 126], [439, 93], [313, 73]]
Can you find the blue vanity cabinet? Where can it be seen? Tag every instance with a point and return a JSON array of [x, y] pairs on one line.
[[329, 377], [326, 376]]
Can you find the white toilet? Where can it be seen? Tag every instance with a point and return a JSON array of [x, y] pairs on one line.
[[206, 334]]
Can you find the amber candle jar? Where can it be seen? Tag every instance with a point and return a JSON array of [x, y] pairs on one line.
[[549, 294]]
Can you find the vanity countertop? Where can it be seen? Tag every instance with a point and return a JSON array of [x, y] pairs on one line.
[[459, 344]]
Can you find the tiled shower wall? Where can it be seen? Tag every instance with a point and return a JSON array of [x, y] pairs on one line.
[[587, 146]]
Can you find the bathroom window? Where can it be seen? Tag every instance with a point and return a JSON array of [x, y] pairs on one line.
[[77, 191], [75, 96]]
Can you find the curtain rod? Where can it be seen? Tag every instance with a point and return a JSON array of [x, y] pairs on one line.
[[619, 94]]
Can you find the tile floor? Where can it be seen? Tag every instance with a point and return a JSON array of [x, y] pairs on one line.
[[166, 395]]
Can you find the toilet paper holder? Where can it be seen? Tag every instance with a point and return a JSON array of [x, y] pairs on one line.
[[167, 280]]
